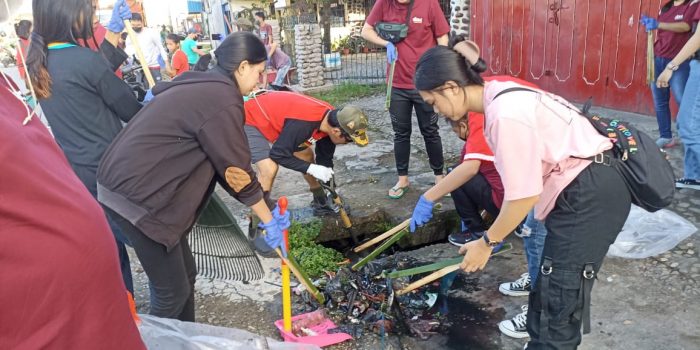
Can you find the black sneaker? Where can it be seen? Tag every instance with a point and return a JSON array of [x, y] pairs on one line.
[[515, 327], [688, 183], [464, 237], [519, 287]]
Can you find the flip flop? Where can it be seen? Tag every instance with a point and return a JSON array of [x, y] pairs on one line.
[[400, 190]]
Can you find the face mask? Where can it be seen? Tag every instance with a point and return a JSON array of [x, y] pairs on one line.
[[138, 29]]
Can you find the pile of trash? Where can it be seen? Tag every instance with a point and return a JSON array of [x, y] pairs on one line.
[[364, 301]]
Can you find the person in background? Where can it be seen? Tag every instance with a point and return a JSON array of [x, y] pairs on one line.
[[160, 171], [163, 33], [265, 29], [672, 32], [189, 47], [23, 29], [178, 64], [83, 101], [689, 113], [427, 28], [151, 46], [555, 175], [279, 61]]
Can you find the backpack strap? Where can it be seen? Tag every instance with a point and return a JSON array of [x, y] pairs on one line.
[[513, 89], [618, 133]]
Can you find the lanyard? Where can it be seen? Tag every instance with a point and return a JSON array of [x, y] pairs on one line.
[[58, 46]]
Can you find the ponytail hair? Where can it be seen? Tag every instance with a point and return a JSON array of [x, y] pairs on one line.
[[37, 62], [459, 62], [204, 63], [55, 21]]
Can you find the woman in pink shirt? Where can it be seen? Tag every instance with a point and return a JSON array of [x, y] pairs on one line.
[[544, 151]]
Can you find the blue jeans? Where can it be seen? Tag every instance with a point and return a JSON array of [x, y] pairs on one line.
[[689, 123], [662, 96], [282, 74], [534, 234]]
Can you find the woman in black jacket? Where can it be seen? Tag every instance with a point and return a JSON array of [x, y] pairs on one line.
[[161, 170]]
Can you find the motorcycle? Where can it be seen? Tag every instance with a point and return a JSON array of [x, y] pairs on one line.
[[134, 77]]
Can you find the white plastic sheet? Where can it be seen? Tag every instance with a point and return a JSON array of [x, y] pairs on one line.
[[647, 234], [169, 334]]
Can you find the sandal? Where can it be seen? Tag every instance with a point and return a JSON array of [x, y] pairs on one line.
[[400, 190]]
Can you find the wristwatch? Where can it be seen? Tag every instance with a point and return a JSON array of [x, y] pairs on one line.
[[672, 67], [490, 243]]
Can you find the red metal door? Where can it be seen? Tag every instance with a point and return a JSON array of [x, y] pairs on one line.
[[575, 48]]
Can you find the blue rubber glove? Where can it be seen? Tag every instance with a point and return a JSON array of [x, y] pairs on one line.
[[282, 220], [273, 235], [422, 213], [391, 53], [149, 96], [649, 23], [120, 13]]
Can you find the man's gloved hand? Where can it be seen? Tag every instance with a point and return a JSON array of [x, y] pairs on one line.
[[320, 172], [422, 213], [649, 23], [120, 13], [273, 235], [391, 53]]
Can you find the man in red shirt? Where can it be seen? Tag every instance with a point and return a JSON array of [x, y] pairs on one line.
[[427, 27], [292, 123]]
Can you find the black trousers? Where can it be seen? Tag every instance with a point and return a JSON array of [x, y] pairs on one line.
[[587, 217], [171, 274], [403, 102], [470, 198]]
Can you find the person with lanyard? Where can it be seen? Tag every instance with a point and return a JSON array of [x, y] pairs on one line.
[[292, 123], [584, 203], [151, 45], [424, 26], [189, 47], [84, 107], [60, 280], [673, 29], [160, 171], [689, 113]]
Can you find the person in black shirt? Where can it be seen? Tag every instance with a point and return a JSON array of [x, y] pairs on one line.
[[84, 102]]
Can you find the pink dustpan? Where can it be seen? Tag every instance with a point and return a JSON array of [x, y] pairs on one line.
[[322, 337]]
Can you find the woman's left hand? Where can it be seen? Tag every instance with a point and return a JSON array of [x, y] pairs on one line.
[[476, 255], [664, 78]]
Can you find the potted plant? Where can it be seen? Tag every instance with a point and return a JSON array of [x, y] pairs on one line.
[[341, 45]]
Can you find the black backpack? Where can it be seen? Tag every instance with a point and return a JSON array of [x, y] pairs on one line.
[[643, 166]]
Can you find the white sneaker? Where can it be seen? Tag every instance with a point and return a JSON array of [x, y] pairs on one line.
[[518, 288], [515, 327]]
